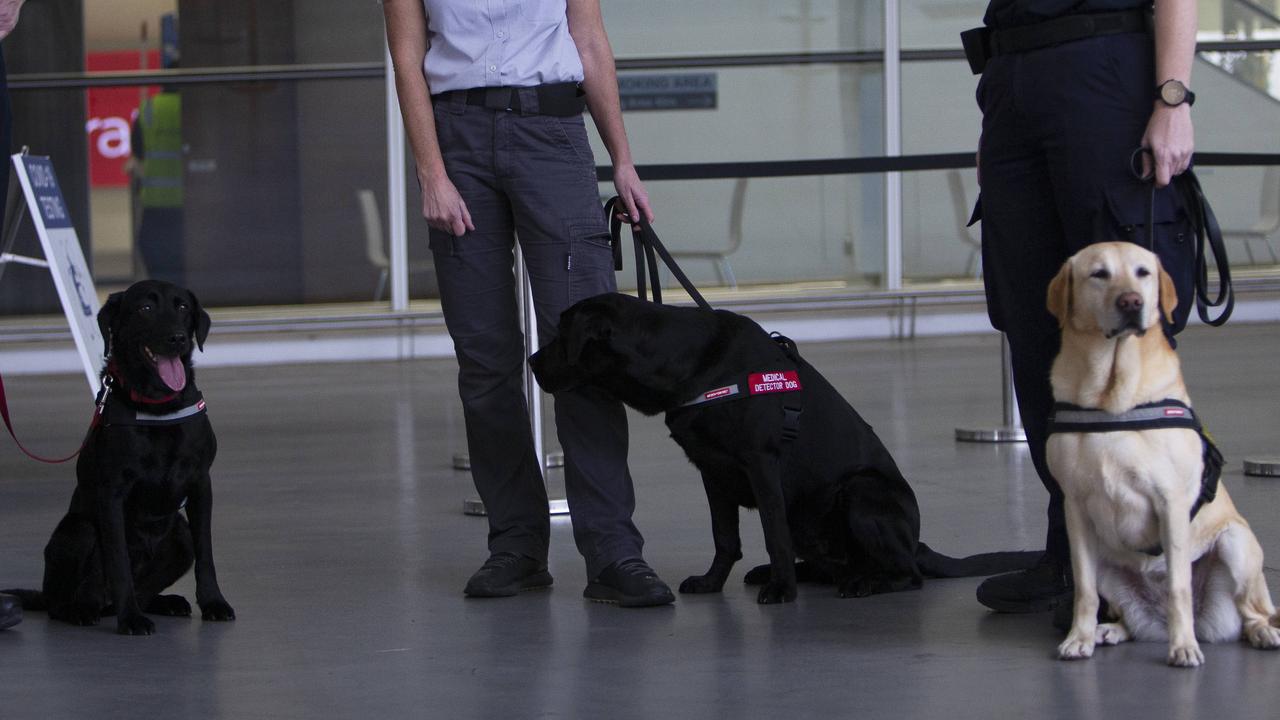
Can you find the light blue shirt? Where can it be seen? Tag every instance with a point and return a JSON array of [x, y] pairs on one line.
[[484, 43]]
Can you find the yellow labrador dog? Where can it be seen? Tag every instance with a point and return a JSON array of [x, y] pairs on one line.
[[1172, 557]]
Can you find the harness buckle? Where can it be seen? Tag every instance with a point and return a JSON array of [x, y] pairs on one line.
[[791, 422]]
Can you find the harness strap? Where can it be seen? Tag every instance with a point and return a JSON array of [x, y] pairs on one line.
[[1150, 416]]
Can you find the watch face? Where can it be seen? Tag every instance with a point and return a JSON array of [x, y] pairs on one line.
[[1173, 92]]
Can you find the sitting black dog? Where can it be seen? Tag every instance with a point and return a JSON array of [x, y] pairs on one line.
[[768, 431], [124, 541]]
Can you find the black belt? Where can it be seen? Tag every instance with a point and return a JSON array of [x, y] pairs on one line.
[[559, 99], [982, 44]]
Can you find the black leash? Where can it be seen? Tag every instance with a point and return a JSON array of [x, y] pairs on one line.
[[1207, 231], [648, 248]]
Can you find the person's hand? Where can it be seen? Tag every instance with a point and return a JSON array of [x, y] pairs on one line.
[[443, 207], [9, 10], [632, 193], [1171, 138]]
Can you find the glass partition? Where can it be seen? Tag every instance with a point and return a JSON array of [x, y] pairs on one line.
[[284, 177]]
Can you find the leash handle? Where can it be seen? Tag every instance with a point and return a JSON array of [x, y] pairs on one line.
[[648, 247], [4, 412], [1207, 231]]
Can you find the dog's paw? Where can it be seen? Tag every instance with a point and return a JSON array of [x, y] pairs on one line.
[[855, 588], [1077, 646], [758, 575], [1187, 656], [170, 605], [701, 584], [134, 624], [775, 592], [1111, 634], [1262, 636], [217, 610]]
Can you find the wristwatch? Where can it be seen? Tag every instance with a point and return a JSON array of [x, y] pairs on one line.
[[1173, 93]]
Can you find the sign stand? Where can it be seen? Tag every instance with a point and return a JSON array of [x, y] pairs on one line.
[[533, 397], [62, 255]]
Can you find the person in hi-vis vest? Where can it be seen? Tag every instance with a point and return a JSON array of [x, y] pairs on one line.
[[157, 149]]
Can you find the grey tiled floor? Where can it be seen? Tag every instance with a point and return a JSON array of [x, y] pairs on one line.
[[341, 544]]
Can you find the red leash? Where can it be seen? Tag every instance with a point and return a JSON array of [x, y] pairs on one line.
[[4, 411]]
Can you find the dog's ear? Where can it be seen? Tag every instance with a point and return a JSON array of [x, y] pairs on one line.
[[199, 320], [1168, 295], [108, 319], [587, 327], [1059, 298]]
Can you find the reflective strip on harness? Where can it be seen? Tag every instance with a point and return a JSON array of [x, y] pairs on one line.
[[1152, 416], [116, 412]]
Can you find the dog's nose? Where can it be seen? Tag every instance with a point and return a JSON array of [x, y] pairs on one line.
[[1129, 302], [177, 340]]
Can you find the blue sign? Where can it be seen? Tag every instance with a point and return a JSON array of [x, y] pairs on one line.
[[48, 196]]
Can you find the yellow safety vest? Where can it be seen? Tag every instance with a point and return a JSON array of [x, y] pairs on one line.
[[161, 120]]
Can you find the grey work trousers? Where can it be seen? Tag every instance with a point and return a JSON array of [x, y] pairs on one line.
[[532, 176]]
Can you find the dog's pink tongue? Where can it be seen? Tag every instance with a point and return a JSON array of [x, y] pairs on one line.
[[172, 372]]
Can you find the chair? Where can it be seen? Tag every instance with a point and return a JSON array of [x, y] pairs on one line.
[[721, 257], [1268, 220], [962, 208], [373, 241]]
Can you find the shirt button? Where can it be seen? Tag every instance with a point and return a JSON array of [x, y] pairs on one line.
[[500, 33], [492, 68]]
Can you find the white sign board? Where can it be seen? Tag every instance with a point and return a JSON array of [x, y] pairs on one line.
[[66, 260]]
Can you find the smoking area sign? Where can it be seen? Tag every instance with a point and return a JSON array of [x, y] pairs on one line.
[[668, 91]]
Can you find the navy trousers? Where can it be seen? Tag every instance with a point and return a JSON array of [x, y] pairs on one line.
[[531, 176], [1059, 125]]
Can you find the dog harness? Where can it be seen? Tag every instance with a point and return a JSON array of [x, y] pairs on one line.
[[761, 383], [1151, 416]]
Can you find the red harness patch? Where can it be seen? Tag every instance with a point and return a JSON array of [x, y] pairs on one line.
[[773, 382]]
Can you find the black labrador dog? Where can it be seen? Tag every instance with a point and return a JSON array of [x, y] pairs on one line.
[[766, 431], [124, 539]]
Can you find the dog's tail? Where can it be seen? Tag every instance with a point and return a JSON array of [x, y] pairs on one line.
[[30, 599], [936, 565]]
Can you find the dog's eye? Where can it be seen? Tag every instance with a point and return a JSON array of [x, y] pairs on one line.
[[182, 306], [1142, 272], [1101, 274], [145, 307]]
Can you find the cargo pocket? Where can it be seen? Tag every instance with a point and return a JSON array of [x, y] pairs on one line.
[[589, 262], [1129, 210]]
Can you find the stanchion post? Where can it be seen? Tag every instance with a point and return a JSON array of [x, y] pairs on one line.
[[533, 396], [1011, 430]]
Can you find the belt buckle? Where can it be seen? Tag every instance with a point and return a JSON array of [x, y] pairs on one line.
[[498, 98]]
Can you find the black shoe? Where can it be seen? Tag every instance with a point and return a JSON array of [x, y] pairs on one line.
[[10, 611], [505, 574], [1040, 588], [629, 583]]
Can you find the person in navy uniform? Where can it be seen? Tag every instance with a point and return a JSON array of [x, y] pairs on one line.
[[1070, 89]]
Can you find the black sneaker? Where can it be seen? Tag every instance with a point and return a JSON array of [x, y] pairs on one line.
[[1040, 588], [629, 583], [10, 611], [505, 574]]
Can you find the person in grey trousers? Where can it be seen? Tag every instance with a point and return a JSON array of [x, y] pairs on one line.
[[492, 96]]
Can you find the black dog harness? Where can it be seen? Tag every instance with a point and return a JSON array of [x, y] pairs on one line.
[[1151, 416], [761, 383]]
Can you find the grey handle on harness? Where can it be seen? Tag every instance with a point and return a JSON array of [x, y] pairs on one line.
[[648, 248], [1205, 225]]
